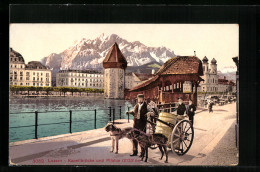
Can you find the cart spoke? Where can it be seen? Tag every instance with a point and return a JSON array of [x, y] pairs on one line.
[[185, 144], [178, 129], [175, 140], [188, 129], [177, 135], [185, 127]]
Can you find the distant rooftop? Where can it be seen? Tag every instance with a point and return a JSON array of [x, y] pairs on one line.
[[15, 57], [35, 65], [81, 71]]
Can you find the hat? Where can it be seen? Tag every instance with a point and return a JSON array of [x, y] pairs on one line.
[[180, 98], [140, 96]]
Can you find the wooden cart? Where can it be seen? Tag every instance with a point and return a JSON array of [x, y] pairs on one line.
[[180, 132]]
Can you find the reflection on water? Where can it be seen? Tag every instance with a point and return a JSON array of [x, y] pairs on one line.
[[81, 120]]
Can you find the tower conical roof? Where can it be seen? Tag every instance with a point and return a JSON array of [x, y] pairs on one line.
[[205, 59], [213, 61], [115, 58]]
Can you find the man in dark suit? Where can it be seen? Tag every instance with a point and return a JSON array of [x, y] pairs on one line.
[[181, 107], [191, 108], [140, 118]]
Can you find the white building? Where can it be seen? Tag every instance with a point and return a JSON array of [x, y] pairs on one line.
[[80, 78], [210, 83], [31, 74], [226, 85]]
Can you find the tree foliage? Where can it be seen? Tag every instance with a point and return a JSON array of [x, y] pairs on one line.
[[16, 88]]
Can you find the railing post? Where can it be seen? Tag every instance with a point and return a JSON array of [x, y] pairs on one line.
[[113, 115], [70, 121], [36, 124], [128, 113], [110, 113], [95, 118], [120, 112]]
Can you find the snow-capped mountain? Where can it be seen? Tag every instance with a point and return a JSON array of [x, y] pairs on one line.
[[86, 53]]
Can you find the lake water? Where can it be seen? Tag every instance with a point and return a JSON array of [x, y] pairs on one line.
[[81, 120]]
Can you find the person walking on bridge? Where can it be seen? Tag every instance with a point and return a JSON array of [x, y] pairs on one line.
[[211, 103], [181, 107], [191, 108]]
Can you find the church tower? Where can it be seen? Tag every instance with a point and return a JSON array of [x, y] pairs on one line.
[[114, 73], [205, 65], [213, 66], [214, 74]]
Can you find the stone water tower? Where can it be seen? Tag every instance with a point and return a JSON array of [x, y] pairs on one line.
[[114, 73]]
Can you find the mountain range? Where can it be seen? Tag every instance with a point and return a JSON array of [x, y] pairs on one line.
[[89, 54]]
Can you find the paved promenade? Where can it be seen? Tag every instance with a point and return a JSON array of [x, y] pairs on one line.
[[214, 137]]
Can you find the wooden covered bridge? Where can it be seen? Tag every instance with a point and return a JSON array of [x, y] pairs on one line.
[[167, 84]]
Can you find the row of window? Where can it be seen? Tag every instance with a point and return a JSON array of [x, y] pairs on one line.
[[210, 89], [28, 84], [79, 74], [47, 79], [16, 66], [83, 84], [78, 79], [27, 78], [28, 73]]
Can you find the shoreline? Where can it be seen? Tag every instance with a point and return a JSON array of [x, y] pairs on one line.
[[54, 96]]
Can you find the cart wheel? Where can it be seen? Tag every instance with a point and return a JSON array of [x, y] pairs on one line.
[[182, 137]]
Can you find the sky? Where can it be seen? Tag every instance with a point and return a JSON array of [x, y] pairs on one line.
[[219, 41]]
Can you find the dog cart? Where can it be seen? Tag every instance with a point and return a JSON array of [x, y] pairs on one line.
[[177, 129]]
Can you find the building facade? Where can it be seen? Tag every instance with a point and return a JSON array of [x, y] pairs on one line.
[[114, 73], [210, 76], [80, 78], [31, 74], [226, 85], [212, 82]]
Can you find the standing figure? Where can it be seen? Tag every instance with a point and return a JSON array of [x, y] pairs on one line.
[[211, 103], [180, 111], [181, 107], [191, 108], [139, 112], [152, 115]]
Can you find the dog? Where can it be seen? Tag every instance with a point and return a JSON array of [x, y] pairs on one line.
[[146, 141], [116, 134]]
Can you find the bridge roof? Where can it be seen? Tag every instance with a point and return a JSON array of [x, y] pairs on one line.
[[180, 65]]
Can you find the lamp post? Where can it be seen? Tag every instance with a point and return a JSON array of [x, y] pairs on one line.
[[236, 61]]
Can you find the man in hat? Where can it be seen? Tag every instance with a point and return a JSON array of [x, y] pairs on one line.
[[191, 108], [139, 112], [181, 107]]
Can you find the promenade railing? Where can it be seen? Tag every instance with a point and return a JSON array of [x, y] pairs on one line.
[[111, 117]]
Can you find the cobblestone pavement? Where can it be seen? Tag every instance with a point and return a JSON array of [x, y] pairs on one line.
[[226, 152]]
